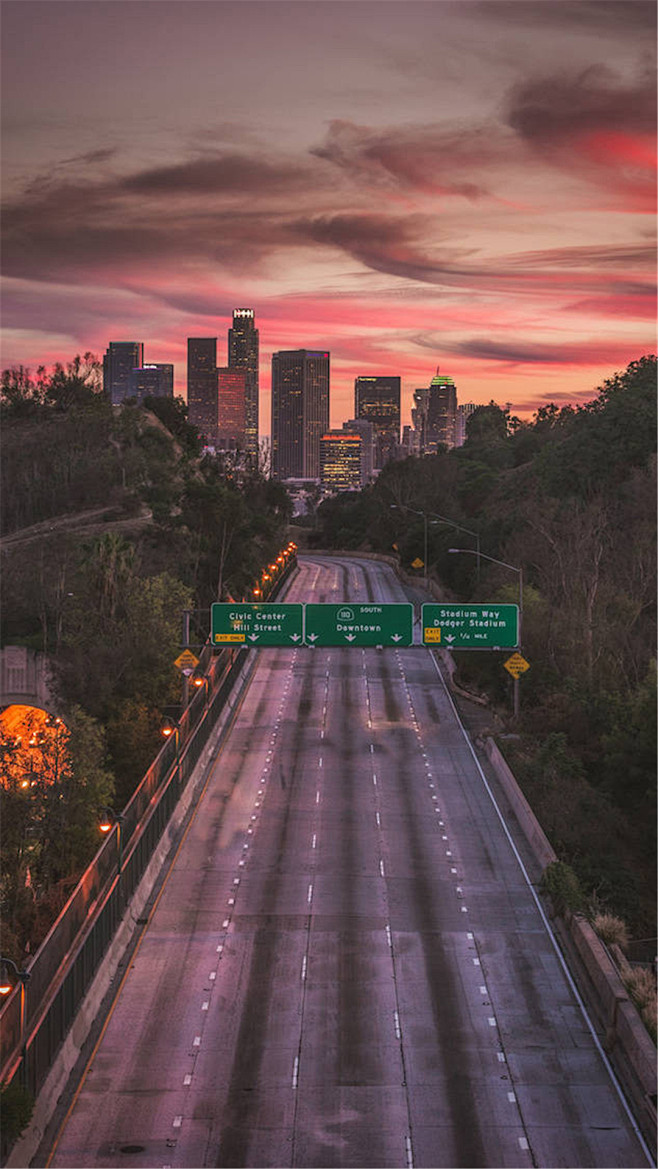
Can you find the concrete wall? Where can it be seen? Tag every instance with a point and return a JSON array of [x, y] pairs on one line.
[[25, 679]]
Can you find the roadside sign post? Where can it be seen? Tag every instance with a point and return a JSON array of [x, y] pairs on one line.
[[470, 626], [256, 624], [359, 625]]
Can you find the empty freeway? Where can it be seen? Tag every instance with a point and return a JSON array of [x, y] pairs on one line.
[[346, 965]]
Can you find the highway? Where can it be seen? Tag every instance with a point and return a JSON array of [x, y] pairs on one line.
[[346, 965]]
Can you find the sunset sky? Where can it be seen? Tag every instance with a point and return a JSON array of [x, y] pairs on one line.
[[466, 184]]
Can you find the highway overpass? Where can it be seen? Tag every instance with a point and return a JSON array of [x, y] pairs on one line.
[[346, 965]]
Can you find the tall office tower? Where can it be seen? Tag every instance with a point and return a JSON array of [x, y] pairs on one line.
[[243, 354], [152, 381], [340, 460], [463, 414], [119, 360], [367, 431], [434, 414], [378, 400], [202, 385], [300, 412], [231, 413]]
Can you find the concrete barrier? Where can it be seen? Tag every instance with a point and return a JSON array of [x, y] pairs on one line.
[[534, 834]]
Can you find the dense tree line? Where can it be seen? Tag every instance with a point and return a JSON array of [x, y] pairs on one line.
[[570, 498], [114, 522]]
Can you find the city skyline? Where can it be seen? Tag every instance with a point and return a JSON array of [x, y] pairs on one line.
[[406, 185]]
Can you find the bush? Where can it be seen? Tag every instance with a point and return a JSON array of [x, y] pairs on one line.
[[612, 930], [641, 986], [561, 884]]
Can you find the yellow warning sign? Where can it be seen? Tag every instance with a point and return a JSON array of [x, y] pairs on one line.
[[418, 563], [186, 660], [224, 637], [432, 634], [516, 665]]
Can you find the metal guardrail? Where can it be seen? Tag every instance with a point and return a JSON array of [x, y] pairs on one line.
[[64, 965]]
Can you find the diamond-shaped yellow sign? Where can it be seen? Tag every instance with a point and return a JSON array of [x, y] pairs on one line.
[[186, 660], [516, 665], [418, 563]]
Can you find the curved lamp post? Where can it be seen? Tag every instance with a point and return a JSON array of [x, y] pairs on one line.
[[513, 568], [10, 975], [106, 822]]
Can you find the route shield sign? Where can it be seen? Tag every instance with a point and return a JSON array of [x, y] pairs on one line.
[[349, 624], [464, 626], [257, 624]]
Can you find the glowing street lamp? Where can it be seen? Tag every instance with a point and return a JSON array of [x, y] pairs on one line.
[[106, 822], [10, 976]]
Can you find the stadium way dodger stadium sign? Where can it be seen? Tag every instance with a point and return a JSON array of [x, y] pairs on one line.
[[463, 626]]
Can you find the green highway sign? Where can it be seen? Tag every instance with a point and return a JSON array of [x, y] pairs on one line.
[[464, 626], [349, 624], [256, 624]]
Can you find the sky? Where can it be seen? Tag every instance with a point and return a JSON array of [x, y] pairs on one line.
[[463, 184]]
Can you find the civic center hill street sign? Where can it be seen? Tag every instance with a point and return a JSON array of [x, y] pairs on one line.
[[359, 624], [256, 624], [463, 626]]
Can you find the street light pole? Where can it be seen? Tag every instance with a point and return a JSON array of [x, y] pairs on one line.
[[7, 984], [453, 524], [108, 819], [513, 568]]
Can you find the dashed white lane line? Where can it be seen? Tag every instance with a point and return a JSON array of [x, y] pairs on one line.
[[309, 895], [396, 1024], [187, 1080], [303, 974], [410, 1156], [295, 1073], [314, 841], [178, 1120], [523, 1143], [389, 939], [196, 1042], [381, 868]]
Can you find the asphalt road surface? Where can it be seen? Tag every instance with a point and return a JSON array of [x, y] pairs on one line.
[[346, 965]]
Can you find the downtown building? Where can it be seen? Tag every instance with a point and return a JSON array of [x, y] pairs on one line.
[[154, 380], [377, 400], [231, 409], [300, 412], [434, 414], [243, 354], [340, 461], [119, 360], [202, 386]]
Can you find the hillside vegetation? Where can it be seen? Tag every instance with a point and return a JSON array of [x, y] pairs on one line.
[[570, 499], [113, 524]]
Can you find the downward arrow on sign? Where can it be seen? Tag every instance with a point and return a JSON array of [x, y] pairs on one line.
[[396, 637], [349, 637]]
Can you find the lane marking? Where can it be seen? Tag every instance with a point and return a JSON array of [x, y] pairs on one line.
[[309, 895], [205, 1006], [295, 1072], [304, 968], [178, 1120], [187, 1080], [196, 1042], [396, 1023]]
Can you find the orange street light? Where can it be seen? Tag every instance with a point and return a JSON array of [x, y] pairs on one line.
[[10, 975]]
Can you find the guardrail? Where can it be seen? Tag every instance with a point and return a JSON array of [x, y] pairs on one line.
[[65, 964]]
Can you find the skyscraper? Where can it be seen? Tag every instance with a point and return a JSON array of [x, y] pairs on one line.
[[155, 380], [119, 360], [300, 412], [340, 460], [231, 409], [434, 414], [378, 400], [367, 431], [243, 354], [202, 385]]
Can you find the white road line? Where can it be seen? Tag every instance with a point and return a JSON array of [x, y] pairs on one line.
[[410, 1157], [549, 932], [388, 936], [309, 895], [303, 975], [205, 1006], [523, 1143], [314, 841], [377, 818], [187, 1080], [226, 923], [212, 976], [492, 1022], [178, 1120], [396, 1023], [511, 1097], [381, 868], [295, 1072], [196, 1042]]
